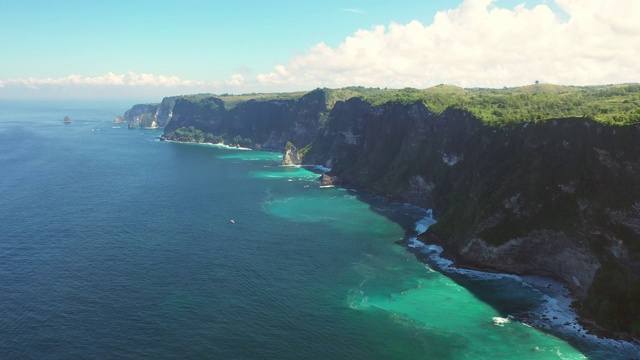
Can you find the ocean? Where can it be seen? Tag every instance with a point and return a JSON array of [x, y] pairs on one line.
[[115, 245]]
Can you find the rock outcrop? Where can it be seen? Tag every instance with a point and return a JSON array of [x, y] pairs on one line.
[[327, 181], [291, 155]]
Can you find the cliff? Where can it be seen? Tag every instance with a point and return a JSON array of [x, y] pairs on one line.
[[291, 155], [160, 114], [260, 124], [558, 198], [137, 111], [512, 192]]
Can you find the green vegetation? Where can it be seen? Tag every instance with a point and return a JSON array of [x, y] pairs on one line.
[[613, 298], [191, 134], [611, 104], [230, 101], [239, 140]]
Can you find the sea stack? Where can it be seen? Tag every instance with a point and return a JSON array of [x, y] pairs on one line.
[[291, 155]]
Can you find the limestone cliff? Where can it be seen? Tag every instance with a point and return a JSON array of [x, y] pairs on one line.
[[160, 113], [559, 198], [260, 124], [137, 111]]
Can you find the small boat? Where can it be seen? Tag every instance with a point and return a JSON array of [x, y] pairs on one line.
[[232, 221], [67, 120]]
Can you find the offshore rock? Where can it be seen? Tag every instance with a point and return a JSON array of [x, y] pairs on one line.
[[327, 180], [291, 155]]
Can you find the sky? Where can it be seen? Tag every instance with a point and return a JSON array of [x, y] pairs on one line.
[[143, 49]]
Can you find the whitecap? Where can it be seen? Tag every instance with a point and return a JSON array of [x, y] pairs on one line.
[[500, 321], [554, 313]]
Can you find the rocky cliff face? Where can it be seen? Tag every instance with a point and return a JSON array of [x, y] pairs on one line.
[[206, 115], [400, 151], [159, 113], [138, 110], [557, 198], [164, 113], [268, 124], [291, 155]]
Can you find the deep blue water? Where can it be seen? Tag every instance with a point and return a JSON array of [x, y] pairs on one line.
[[116, 245]]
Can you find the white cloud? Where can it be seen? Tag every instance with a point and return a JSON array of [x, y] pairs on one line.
[[480, 44], [235, 80], [109, 79], [355, 11]]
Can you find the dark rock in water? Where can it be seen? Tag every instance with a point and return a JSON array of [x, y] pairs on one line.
[[131, 125], [326, 180]]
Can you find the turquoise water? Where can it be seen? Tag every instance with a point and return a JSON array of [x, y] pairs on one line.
[[117, 245]]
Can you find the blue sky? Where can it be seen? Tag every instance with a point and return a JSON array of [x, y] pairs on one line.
[[156, 48]]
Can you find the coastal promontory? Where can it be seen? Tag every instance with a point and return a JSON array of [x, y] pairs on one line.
[[539, 180]]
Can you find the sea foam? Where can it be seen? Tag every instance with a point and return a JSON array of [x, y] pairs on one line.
[[554, 314]]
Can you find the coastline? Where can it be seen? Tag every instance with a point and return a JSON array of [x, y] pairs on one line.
[[219, 145], [556, 316], [558, 292], [582, 326]]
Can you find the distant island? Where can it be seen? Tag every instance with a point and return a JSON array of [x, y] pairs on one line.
[[540, 179]]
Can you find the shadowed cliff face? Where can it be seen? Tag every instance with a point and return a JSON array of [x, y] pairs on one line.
[[136, 111], [206, 115], [268, 124], [557, 198], [393, 149], [160, 113]]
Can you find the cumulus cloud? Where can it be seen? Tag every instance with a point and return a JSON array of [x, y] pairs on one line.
[[480, 44], [235, 80]]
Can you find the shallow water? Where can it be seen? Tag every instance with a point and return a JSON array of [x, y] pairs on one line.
[[115, 244]]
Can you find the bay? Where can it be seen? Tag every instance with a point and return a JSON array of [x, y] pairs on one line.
[[117, 245]]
